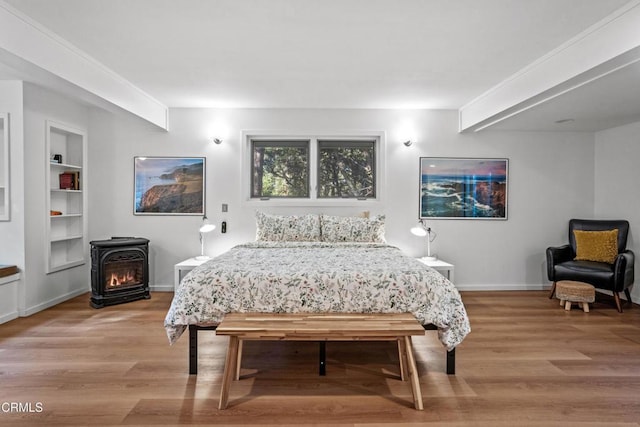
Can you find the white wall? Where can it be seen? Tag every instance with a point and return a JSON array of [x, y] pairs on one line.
[[12, 250], [44, 290], [551, 180], [616, 181]]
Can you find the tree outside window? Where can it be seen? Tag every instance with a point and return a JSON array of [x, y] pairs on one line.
[[280, 169], [346, 169]]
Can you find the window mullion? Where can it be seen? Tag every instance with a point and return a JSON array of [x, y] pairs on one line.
[[314, 162]]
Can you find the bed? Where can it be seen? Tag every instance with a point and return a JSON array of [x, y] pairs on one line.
[[317, 263]]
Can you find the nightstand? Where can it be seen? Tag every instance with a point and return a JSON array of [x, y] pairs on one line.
[[440, 266], [184, 267]]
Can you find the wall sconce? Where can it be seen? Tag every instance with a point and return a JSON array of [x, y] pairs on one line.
[[218, 131], [205, 227], [408, 143]]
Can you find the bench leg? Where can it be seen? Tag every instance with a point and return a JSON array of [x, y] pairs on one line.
[[322, 358], [413, 373], [238, 361], [402, 356], [229, 370]]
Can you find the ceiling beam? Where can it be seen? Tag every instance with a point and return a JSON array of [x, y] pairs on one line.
[[606, 46], [28, 42]]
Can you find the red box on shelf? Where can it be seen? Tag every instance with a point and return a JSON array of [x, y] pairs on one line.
[[66, 181]]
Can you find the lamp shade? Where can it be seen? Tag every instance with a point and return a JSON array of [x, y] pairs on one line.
[[419, 230], [206, 228]]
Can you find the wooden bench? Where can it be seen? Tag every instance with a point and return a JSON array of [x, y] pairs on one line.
[[320, 327]]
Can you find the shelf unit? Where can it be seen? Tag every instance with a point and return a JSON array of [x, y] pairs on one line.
[[5, 208], [66, 231]]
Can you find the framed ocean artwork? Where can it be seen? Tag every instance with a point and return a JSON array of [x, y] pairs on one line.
[[169, 185], [463, 188]]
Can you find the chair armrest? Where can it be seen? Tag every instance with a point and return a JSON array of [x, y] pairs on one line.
[[623, 270], [556, 255]]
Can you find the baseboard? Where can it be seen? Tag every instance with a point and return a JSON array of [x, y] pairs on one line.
[[8, 317], [504, 287], [47, 304], [161, 288]]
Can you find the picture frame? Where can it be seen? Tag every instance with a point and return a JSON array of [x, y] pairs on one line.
[[463, 188], [169, 185]]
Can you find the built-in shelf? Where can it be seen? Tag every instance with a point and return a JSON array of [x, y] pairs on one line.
[[66, 265], [62, 190], [64, 238], [66, 233], [65, 166]]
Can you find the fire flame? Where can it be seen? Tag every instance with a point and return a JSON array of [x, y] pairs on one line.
[[121, 279]]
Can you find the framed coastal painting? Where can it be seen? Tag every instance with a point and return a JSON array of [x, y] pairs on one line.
[[169, 185], [463, 188]]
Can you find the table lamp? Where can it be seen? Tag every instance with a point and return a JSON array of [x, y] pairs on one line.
[[422, 230], [205, 227]]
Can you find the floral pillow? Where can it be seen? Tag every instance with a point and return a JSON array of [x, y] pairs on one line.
[[352, 229], [290, 228]]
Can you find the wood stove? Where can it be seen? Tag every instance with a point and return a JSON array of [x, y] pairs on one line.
[[119, 270]]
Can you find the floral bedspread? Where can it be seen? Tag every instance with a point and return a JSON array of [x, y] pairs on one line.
[[296, 277]]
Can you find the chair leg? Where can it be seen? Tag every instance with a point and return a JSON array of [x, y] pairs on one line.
[[553, 290], [628, 295], [616, 297]]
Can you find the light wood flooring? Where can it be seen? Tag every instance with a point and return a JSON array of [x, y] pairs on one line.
[[527, 362]]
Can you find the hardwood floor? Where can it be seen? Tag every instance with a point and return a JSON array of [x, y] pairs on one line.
[[527, 362]]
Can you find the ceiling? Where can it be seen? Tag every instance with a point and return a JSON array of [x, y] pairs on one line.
[[339, 53]]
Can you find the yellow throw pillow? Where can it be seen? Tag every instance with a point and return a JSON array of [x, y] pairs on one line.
[[601, 246]]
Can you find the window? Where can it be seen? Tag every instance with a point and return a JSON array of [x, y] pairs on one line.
[[280, 169], [316, 170], [346, 169]]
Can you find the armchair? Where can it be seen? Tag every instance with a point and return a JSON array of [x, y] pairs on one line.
[[615, 277]]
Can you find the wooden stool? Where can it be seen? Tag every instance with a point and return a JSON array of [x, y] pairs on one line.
[[569, 291]]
